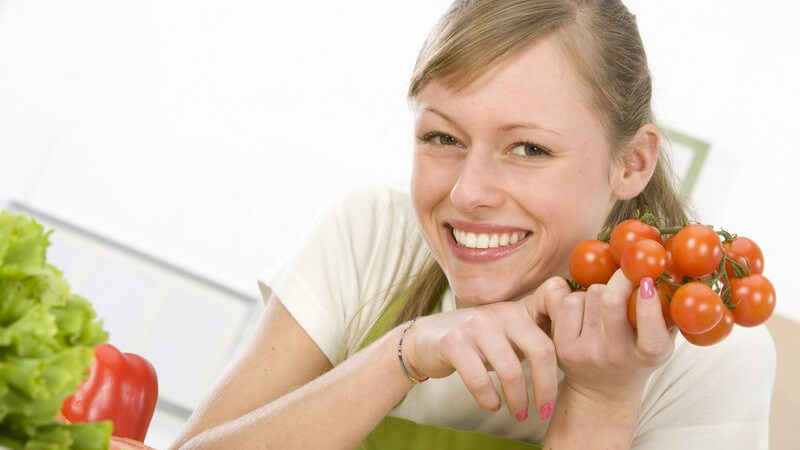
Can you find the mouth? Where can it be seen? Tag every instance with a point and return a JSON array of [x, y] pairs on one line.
[[470, 246]]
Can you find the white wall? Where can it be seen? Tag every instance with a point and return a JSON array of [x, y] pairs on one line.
[[207, 132], [727, 73]]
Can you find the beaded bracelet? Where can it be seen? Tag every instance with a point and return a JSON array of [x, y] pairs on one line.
[[400, 356]]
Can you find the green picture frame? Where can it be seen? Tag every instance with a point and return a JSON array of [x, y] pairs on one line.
[[698, 154]]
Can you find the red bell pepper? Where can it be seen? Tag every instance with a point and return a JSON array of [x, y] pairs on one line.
[[121, 387]]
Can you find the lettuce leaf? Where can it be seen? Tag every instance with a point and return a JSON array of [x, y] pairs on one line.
[[47, 337]]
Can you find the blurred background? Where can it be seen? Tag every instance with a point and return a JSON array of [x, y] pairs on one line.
[[180, 148]]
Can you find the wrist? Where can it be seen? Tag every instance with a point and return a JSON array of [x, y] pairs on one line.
[[585, 418], [407, 355], [627, 398]]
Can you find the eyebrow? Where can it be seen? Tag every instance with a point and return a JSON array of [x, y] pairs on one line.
[[507, 127]]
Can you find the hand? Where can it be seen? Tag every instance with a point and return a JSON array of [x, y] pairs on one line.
[[118, 443], [602, 355], [495, 337]]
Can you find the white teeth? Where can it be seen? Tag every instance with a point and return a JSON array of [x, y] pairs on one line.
[[470, 240], [484, 240], [504, 238]]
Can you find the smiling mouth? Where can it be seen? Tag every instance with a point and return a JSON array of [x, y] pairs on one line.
[[500, 241]]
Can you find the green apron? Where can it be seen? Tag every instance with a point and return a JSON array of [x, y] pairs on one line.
[[393, 433]]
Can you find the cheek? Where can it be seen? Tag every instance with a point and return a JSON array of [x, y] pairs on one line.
[[430, 181], [591, 200], [423, 196], [571, 200], [589, 184], [420, 179]]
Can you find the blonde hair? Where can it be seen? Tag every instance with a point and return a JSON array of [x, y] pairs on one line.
[[601, 39]]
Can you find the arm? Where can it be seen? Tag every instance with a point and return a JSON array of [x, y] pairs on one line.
[[609, 423], [254, 404]]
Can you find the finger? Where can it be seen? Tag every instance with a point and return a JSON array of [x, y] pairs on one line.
[[567, 328], [593, 311], [470, 367], [545, 301], [653, 337], [615, 297], [501, 356], [541, 354]]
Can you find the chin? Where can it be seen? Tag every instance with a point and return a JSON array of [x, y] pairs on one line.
[[471, 295]]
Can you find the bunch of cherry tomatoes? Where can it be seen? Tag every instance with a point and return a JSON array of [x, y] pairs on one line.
[[706, 280]]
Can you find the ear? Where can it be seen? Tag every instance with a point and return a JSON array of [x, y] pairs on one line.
[[633, 170]]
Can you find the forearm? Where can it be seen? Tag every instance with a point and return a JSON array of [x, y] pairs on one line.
[[335, 410], [581, 422]]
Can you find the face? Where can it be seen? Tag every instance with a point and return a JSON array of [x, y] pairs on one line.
[[515, 156]]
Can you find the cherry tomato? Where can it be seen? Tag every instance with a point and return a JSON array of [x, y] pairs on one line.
[[668, 243], [628, 232], [756, 298], [591, 263], [695, 308], [714, 335], [643, 258], [744, 251], [697, 250], [664, 294], [671, 271]]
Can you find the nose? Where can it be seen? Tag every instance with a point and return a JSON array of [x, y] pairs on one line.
[[479, 183]]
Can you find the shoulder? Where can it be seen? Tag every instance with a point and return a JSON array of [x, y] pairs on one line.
[[745, 350], [338, 278], [744, 360], [706, 389], [377, 219], [373, 205], [380, 232]]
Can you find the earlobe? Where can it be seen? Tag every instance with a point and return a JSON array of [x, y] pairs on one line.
[[637, 164]]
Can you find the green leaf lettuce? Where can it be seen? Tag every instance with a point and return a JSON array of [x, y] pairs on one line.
[[47, 337]]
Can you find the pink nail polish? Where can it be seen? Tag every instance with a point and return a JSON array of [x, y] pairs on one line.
[[546, 411], [646, 288], [522, 415]]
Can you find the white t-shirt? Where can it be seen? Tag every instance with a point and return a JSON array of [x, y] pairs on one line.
[[342, 275]]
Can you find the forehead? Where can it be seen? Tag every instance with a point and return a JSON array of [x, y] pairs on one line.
[[536, 83]]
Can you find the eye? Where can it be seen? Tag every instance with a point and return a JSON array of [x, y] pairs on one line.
[[439, 138], [529, 149]]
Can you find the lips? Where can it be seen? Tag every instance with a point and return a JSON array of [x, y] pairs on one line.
[[482, 255]]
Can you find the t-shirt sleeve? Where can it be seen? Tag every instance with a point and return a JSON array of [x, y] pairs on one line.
[[712, 397], [337, 280]]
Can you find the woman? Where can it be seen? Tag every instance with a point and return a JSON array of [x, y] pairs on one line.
[[534, 130]]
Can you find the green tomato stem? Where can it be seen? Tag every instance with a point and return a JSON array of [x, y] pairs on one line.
[[670, 230], [665, 279], [573, 286], [727, 235]]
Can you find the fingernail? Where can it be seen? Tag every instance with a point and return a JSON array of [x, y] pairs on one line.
[[496, 409], [646, 288], [522, 415], [546, 411]]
